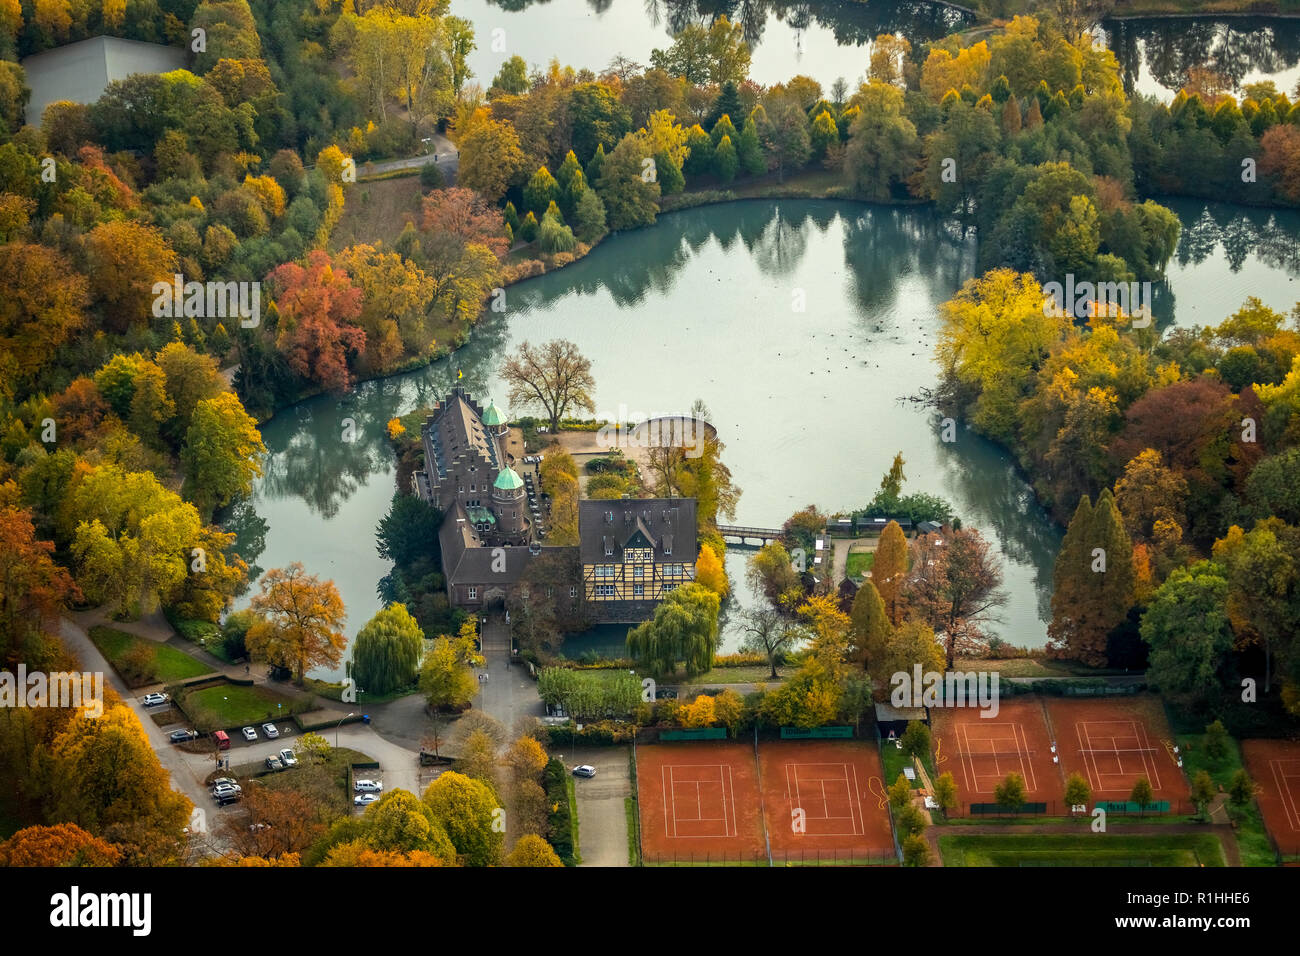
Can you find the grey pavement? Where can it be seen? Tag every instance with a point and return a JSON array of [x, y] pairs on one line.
[[508, 693], [602, 813]]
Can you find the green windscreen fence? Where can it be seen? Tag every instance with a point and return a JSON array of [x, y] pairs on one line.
[[1129, 806], [997, 809], [695, 733], [822, 733]]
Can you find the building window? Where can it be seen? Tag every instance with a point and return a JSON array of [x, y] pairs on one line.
[[573, 591], [638, 590], [638, 571], [604, 590], [668, 587], [472, 489], [668, 548], [472, 593], [609, 549]]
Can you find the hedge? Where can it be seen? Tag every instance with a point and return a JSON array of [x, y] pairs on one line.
[[556, 781]]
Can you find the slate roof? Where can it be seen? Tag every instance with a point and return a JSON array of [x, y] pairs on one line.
[[617, 524]]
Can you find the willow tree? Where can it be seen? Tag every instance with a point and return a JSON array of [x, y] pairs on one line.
[[386, 654], [684, 628]]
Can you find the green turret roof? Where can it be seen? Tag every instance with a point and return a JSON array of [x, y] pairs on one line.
[[492, 417], [507, 480]]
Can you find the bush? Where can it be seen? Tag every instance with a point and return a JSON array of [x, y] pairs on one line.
[[431, 176]]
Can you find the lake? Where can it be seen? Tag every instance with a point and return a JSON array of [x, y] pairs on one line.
[[810, 405]]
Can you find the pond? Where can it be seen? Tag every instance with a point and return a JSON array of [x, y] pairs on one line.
[[811, 406]]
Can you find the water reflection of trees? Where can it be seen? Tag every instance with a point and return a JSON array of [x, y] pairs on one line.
[[850, 23], [1232, 48], [993, 497], [1273, 237]]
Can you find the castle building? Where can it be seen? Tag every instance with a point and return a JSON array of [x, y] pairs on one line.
[[631, 552]]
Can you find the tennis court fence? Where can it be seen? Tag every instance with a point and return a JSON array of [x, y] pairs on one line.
[[1059, 808], [842, 857]]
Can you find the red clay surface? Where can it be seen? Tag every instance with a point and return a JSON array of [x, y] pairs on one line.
[[699, 802], [1114, 741], [980, 752], [825, 799], [1274, 766]]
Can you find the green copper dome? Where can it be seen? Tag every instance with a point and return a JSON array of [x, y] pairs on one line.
[[492, 417], [508, 481]]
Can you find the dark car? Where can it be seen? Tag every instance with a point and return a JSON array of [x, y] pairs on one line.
[[180, 736]]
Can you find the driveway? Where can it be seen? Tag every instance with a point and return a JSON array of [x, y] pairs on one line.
[[508, 693], [602, 813]]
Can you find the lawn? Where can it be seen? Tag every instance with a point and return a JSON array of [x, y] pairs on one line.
[[894, 760], [573, 817], [1252, 838], [859, 563], [748, 674], [323, 784], [234, 705], [1091, 849], [141, 661], [633, 822]]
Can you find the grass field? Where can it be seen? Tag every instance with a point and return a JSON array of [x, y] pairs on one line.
[[167, 663], [894, 760], [326, 782], [1252, 838], [234, 705], [1090, 849], [859, 563]]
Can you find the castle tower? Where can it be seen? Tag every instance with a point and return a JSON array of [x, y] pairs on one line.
[[494, 421], [510, 502]]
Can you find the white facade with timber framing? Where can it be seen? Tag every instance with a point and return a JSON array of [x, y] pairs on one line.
[[633, 552]]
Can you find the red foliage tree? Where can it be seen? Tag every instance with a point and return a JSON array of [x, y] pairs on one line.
[[318, 307], [33, 588], [463, 213]]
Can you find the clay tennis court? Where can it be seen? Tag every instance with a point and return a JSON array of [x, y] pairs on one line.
[[980, 752], [699, 802], [1274, 766], [825, 798], [1115, 741]]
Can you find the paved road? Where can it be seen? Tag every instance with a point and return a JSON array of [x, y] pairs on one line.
[[443, 153], [508, 693], [602, 813]]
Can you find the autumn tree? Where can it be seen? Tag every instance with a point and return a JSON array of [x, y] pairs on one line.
[[631, 197], [954, 585], [386, 652], [710, 572], [33, 589], [446, 677], [554, 376], [1094, 583], [41, 301], [126, 259], [771, 572], [222, 454], [462, 213], [63, 844], [889, 570], [318, 308], [531, 850], [299, 621], [489, 156], [882, 151], [468, 811], [1148, 492], [871, 629], [105, 777]]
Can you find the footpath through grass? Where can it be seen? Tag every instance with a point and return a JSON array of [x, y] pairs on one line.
[[1252, 839], [1086, 849]]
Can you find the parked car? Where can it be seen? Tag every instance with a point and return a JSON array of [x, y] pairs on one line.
[[225, 795], [224, 781], [287, 758], [271, 731], [180, 736], [273, 763], [250, 733], [368, 786], [584, 770], [362, 799], [220, 788], [153, 700]]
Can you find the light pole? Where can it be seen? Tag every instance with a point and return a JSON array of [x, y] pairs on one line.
[[336, 729]]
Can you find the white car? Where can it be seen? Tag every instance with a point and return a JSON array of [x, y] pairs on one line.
[[364, 799], [250, 733], [368, 786], [271, 731], [153, 700], [584, 770], [287, 758]]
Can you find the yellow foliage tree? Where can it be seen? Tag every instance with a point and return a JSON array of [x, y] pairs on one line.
[[710, 572], [698, 713]]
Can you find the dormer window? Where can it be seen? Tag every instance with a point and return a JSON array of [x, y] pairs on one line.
[[668, 547]]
